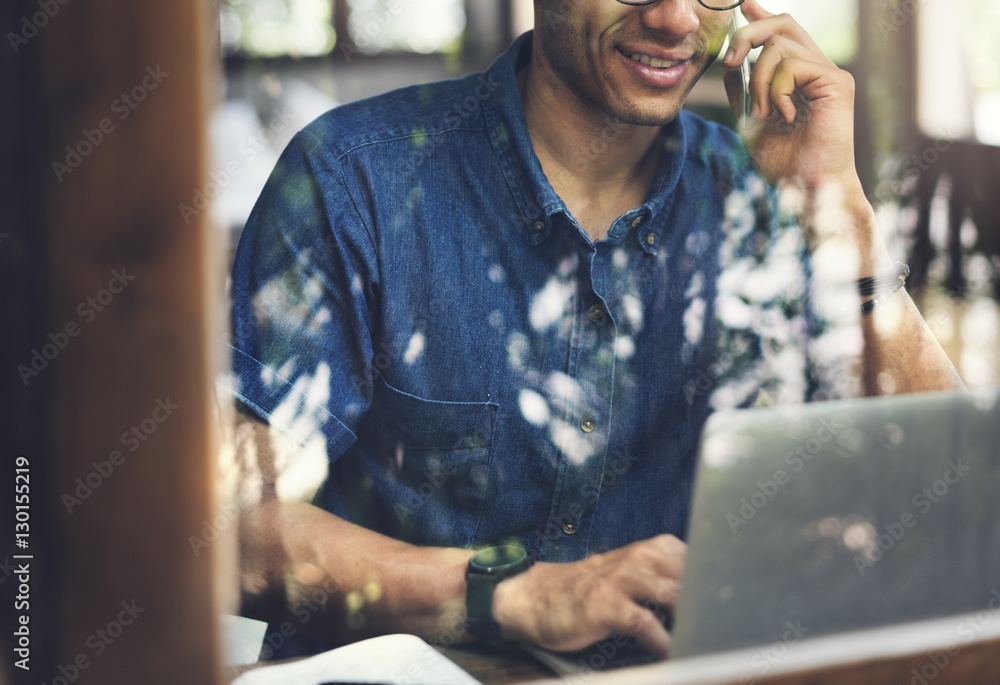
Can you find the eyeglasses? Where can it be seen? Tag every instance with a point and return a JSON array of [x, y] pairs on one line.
[[718, 5]]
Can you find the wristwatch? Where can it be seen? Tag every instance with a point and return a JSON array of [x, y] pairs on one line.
[[487, 568]]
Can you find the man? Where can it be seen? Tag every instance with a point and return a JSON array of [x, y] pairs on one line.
[[503, 307]]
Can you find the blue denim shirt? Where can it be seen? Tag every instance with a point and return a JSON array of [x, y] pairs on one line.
[[411, 292]]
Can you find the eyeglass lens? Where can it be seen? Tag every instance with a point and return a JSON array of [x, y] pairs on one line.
[[721, 4], [710, 4]]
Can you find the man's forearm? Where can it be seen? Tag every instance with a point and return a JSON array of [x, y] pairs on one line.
[[329, 577], [901, 354]]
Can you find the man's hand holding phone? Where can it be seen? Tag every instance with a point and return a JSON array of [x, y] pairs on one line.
[[801, 126]]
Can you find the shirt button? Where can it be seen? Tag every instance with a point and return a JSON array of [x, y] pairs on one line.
[[569, 528], [539, 226], [651, 239], [587, 424], [637, 222], [596, 314]]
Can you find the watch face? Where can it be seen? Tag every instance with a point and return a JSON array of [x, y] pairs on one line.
[[497, 559]]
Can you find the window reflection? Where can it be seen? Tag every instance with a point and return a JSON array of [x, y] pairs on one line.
[[833, 24], [270, 28], [424, 26], [304, 28], [982, 25]]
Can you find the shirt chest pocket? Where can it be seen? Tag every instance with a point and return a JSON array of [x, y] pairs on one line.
[[437, 464]]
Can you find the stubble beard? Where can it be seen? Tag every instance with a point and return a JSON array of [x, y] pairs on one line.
[[616, 104]]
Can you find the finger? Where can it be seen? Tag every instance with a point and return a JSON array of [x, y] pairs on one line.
[[663, 554], [803, 78], [753, 11], [646, 628], [671, 554], [776, 49], [672, 547], [667, 593], [647, 587], [757, 33]]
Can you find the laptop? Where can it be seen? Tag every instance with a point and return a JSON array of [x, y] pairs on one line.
[[836, 530]]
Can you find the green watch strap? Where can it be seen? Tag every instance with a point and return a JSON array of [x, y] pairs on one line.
[[479, 606], [486, 569]]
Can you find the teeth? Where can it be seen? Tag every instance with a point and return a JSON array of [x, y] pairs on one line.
[[652, 61]]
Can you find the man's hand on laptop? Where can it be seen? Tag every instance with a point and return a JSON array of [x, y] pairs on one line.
[[569, 606]]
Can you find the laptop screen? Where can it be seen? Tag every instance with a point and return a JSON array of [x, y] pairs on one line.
[[816, 519]]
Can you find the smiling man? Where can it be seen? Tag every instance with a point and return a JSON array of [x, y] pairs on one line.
[[498, 343]]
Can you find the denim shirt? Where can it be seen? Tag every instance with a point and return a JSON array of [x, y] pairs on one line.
[[411, 293]]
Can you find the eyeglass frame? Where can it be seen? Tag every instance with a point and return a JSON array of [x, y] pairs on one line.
[[639, 3]]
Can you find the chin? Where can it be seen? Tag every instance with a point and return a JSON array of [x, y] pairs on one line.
[[639, 107], [650, 115], [661, 119]]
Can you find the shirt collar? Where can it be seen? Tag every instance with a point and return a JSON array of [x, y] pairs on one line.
[[537, 202]]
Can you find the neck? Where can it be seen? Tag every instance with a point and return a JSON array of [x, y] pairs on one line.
[[599, 165]]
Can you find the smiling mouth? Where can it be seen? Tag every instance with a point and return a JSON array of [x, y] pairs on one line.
[[653, 61]]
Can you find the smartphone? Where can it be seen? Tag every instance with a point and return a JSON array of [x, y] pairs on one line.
[[735, 23]]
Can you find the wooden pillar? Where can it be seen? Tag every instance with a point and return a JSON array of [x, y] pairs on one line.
[[886, 77], [114, 101]]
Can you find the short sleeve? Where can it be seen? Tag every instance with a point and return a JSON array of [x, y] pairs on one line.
[[304, 286]]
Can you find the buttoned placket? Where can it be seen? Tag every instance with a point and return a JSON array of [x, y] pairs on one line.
[[541, 218], [592, 366]]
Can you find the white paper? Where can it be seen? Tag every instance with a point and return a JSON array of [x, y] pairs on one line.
[[390, 660], [242, 639]]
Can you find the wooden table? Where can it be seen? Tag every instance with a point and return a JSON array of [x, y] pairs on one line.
[[497, 665], [500, 665]]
